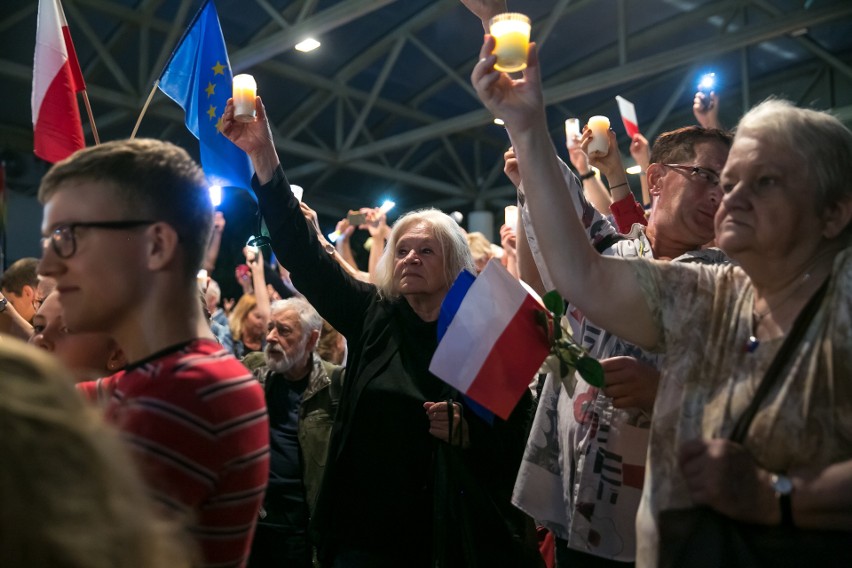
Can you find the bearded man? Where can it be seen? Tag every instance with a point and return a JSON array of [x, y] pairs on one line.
[[301, 396]]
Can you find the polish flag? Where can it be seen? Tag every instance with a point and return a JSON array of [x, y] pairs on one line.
[[628, 116], [493, 346], [57, 78]]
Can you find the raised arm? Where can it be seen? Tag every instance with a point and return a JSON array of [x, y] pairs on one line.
[[605, 289], [485, 9]]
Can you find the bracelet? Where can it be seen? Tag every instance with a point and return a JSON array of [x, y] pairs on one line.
[[588, 175], [619, 185]]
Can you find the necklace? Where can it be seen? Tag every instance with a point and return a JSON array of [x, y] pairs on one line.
[[752, 343]]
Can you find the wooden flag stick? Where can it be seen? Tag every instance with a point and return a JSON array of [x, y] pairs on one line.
[[91, 117], [145, 108]]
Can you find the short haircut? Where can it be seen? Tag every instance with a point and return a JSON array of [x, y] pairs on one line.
[[445, 230], [819, 139], [153, 180], [308, 316], [678, 146], [23, 272], [213, 290]]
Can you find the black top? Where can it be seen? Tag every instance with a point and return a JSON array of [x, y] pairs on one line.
[[285, 503], [380, 480]]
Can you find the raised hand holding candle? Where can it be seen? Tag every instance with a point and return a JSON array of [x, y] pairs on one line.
[[245, 92], [511, 32], [599, 144]]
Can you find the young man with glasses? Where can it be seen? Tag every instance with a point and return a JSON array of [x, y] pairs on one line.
[[125, 228]]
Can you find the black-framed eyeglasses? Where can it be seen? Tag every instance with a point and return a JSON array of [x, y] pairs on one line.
[[64, 238], [705, 175]]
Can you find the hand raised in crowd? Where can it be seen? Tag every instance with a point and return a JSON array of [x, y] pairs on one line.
[[722, 475], [228, 305], [218, 222], [254, 138], [630, 383], [579, 158], [311, 216], [486, 9], [519, 102], [344, 229], [641, 151], [610, 165], [707, 116], [510, 167], [509, 240], [439, 423], [377, 222]]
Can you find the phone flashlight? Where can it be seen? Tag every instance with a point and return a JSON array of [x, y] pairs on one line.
[[706, 86]]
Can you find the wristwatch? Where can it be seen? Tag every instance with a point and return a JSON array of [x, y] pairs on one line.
[[783, 487], [3, 302]]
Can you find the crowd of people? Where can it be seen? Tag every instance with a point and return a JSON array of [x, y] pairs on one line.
[[298, 425]]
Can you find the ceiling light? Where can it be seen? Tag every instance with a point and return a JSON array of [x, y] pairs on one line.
[[634, 170], [499, 121], [307, 45]]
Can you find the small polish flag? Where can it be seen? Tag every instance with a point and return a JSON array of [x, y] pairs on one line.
[[57, 78], [493, 345], [628, 116]]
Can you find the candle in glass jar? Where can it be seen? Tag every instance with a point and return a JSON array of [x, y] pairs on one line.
[[511, 34], [599, 144], [245, 91]]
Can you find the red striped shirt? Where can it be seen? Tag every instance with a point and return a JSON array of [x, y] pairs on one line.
[[195, 419]]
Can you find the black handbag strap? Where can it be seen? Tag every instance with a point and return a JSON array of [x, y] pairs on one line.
[[801, 324]]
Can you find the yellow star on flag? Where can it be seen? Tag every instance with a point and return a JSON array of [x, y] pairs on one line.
[[218, 69], [211, 112], [210, 90]]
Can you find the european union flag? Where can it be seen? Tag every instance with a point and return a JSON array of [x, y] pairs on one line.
[[198, 77]]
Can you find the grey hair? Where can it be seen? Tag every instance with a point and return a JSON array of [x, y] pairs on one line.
[[308, 316], [818, 138], [445, 230]]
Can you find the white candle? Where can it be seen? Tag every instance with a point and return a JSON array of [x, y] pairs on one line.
[[511, 32], [572, 131], [599, 144], [245, 91], [510, 216]]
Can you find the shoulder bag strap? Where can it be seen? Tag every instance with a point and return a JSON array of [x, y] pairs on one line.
[[801, 324]]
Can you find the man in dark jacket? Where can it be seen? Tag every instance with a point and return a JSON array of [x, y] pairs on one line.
[[301, 395]]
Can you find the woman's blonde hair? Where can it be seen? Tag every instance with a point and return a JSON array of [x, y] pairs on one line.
[[444, 229], [69, 494], [245, 304]]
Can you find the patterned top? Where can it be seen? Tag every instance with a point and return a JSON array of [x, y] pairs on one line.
[[195, 419], [584, 465], [705, 319]]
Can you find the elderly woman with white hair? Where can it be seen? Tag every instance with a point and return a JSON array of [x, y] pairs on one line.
[[385, 499], [769, 338]]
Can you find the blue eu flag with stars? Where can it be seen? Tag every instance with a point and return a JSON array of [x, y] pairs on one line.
[[198, 77]]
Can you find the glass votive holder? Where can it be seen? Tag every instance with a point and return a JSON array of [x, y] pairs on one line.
[[244, 94], [511, 32]]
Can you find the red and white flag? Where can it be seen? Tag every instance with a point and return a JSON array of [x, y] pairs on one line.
[[493, 345], [57, 78], [628, 116]]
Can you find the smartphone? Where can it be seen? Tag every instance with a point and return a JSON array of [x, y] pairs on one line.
[[706, 86], [355, 218]]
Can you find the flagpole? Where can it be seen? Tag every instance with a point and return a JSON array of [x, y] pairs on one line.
[[91, 117], [144, 108]]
